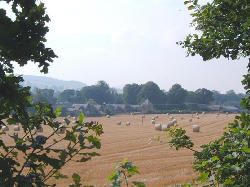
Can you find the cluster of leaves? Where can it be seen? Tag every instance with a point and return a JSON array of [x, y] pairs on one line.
[[44, 156], [23, 35], [180, 140], [224, 26], [224, 161], [245, 103], [34, 158], [77, 181], [123, 171]]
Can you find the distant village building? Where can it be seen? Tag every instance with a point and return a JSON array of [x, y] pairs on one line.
[[230, 109], [147, 106], [214, 107]]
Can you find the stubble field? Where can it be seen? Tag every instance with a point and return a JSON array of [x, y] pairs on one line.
[[159, 165]]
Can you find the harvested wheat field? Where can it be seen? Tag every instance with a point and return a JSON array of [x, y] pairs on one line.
[[159, 165]]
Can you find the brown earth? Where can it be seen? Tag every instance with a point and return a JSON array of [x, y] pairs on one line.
[[159, 165]]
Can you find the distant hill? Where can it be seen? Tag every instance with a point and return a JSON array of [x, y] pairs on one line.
[[50, 83]]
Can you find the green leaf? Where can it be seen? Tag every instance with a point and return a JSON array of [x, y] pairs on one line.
[[94, 141], [11, 121], [215, 158], [204, 163], [55, 163], [67, 121], [125, 161], [117, 165], [70, 136], [58, 175], [14, 153], [58, 112], [80, 118], [84, 159], [63, 155], [29, 98], [139, 184], [111, 176], [245, 149], [191, 7], [133, 170], [76, 179], [203, 177], [158, 138], [228, 182], [186, 2], [187, 185]]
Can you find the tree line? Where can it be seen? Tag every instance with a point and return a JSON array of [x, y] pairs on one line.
[[136, 94]]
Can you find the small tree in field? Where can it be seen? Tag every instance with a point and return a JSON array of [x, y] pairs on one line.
[[34, 158], [225, 28]]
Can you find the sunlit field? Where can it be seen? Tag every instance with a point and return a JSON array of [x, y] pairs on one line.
[[159, 165]]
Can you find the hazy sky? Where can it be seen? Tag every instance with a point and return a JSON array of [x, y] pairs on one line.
[[130, 41]]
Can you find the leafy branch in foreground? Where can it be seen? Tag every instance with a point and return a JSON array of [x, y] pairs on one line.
[[223, 27], [179, 138], [45, 155], [77, 181], [223, 31], [123, 171], [29, 158], [224, 161]]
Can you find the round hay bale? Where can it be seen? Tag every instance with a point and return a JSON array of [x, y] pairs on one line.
[[203, 113], [153, 121], [196, 128], [158, 127], [118, 122], [164, 127], [128, 123], [170, 124], [16, 128], [198, 117], [174, 121], [107, 116], [5, 128]]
